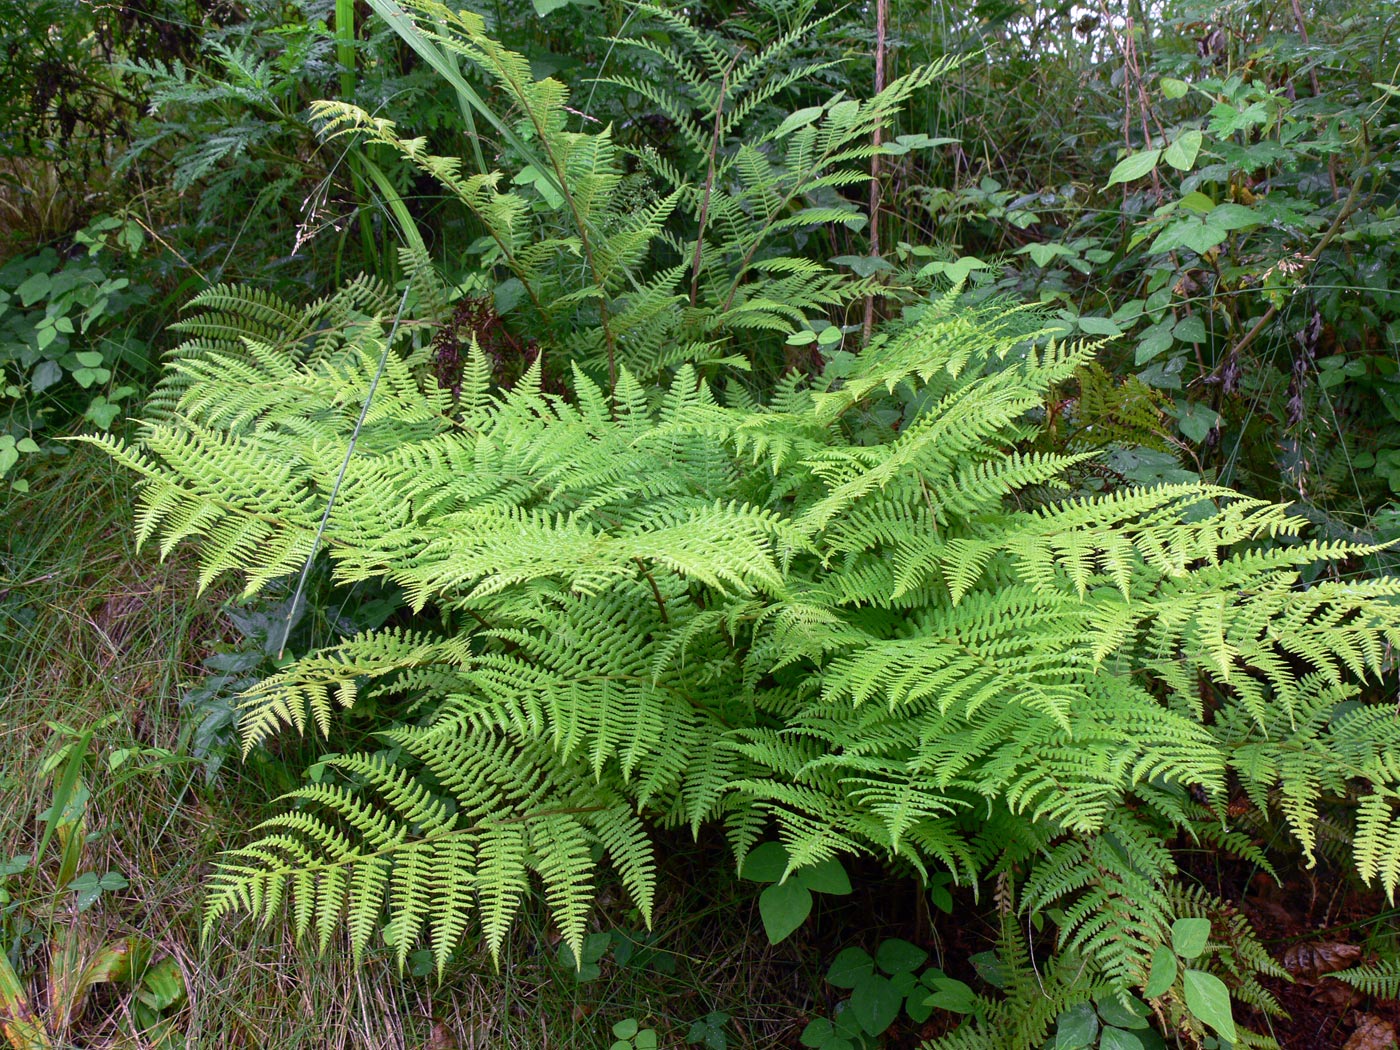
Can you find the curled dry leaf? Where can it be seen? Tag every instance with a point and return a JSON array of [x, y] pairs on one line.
[[1372, 1034], [1318, 958]]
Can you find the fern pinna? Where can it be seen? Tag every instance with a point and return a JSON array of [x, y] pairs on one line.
[[859, 616]]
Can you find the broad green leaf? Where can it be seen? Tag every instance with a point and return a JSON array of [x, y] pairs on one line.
[[1045, 254], [1099, 326], [905, 982], [508, 295], [784, 907], [1204, 238], [863, 265], [1233, 217], [1196, 201], [1163, 973], [102, 412], [1133, 167], [533, 176], [1209, 1002], [34, 288], [1173, 88], [817, 1034], [1165, 375], [828, 876], [955, 271], [990, 968], [766, 862], [897, 956], [849, 967], [1200, 236], [85, 377], [1189, 936], [1196, 422], [1190, 329], [1129, 1013], [1181, 154], [902, 144], [626, 1028], [89, 359], [918, 1008], [800, 118], [953, 996], [1118, 1039], [45, 375], [1076, 1028], [1154, 341], [875, 1002]]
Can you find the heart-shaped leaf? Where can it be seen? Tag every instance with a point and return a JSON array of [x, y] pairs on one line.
[[784, 907], [875, 1003]]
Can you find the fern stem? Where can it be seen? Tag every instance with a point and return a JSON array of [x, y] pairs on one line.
[[655, 590]]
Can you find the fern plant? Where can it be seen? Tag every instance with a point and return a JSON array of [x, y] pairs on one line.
[[834, 615], [669, 263]]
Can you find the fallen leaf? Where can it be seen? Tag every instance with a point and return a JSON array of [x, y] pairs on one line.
[[1318, 958], [1371, 1034], [1335, 995]]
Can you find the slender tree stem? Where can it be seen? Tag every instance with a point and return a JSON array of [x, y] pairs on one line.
[[882, 10]]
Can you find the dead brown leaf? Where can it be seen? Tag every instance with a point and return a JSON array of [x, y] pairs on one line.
[[1372, 1034], [1319, 957], [1334, 995]]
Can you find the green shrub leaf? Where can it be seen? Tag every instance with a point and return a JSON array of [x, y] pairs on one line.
[[875, 1002], [784, 907], [1209, 1002], [1133, 167], [1189, 936]]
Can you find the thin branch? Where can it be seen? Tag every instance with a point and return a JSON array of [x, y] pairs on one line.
[[881, 17], [709, 181]]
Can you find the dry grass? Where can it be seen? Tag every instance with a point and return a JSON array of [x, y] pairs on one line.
[[94, 635]]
